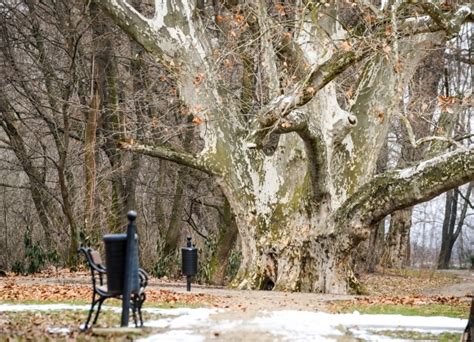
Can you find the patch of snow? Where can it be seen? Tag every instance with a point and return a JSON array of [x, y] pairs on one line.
[[175, 335], [184, 317], [304, 326], [182, 320], [58, 330]]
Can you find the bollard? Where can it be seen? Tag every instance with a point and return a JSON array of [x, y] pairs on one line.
[[189, 262], [129, 253]]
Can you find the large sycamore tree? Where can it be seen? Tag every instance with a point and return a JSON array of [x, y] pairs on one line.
[[293, 153]]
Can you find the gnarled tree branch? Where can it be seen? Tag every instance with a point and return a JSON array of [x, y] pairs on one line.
[[302, 92], [399, 189]]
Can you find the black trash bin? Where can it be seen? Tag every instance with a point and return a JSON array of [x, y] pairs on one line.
[[189, 262], [115, 248]]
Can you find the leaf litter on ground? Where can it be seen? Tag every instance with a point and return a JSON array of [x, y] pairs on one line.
[[14, 292]]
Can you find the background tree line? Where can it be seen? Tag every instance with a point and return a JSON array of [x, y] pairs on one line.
[[73, 87]]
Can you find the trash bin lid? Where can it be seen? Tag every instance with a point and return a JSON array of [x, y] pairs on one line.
[[114, 237]]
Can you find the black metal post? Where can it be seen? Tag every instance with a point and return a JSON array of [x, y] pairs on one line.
[[127, 282], [188, 283], [188, 277]]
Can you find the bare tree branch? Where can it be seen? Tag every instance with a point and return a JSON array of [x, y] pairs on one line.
[[166, 153], [462, 217], [193, 224], [6, 185], [305, 90], [466, 197], [417, 143]]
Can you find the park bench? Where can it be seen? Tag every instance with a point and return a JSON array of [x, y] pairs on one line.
[[101, 291]]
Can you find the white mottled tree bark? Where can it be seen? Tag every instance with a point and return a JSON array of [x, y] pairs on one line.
[[302, 208]]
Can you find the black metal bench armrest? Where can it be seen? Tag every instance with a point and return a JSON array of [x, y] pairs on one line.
[[98, 268], [143, 277], [87, 252]]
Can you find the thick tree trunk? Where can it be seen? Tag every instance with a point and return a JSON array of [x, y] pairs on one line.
[[398, 240], [451, 231], [369, 253], [228, 234], [302, 262], [40, 197], [173, 233], [447, 241], [444, 257]]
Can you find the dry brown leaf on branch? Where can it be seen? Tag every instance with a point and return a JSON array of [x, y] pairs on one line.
[[285, 124], [446, 103], [349, 93], [346, 46], [197, 120]]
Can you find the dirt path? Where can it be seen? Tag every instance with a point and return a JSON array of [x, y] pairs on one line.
[[465, 288], [244, 300]]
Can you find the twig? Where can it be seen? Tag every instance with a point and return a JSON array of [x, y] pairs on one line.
[[419, 142]]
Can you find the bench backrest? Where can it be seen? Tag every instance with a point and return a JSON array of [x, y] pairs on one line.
[[95, 257], [97, 268]]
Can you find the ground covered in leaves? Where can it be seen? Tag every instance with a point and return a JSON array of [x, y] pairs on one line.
[[12, 292], [402, 292], [405, 282]]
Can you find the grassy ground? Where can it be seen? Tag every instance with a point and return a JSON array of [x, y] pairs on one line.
[[39, 326], [457, 310], [418, 336]]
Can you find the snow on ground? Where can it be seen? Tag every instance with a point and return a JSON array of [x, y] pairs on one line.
[[300, 325], [195, 325], [306, 326]]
